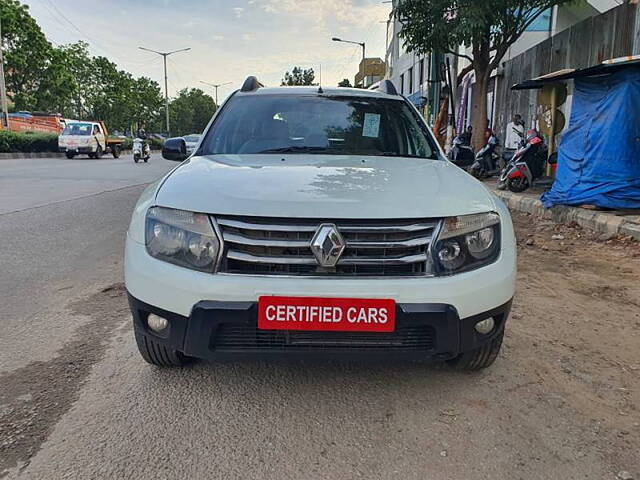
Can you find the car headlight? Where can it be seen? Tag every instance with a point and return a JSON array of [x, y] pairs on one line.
[[182, 238], [466, 243]]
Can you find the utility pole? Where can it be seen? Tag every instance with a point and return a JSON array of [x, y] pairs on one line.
[[166, 88], [3, 87], [216, 86]]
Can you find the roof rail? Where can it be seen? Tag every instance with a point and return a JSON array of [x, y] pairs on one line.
[[387, 86], [251, 84]]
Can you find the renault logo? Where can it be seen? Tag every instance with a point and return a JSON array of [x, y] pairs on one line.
[[327, 245]]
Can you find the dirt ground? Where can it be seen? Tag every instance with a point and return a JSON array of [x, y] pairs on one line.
[[561, 402], [576, 324]]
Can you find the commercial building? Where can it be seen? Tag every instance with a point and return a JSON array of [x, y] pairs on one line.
[[370, 71]]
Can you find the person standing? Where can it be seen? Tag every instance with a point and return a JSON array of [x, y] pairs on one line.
[[515, 133]]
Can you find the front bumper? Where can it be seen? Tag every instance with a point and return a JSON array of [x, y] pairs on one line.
[[218, 330], [76, 149]]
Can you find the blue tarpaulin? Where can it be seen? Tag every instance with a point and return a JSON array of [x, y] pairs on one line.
[[599, 156]]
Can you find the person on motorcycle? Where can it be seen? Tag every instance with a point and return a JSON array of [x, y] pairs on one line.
[[465, 137], [492, 143]]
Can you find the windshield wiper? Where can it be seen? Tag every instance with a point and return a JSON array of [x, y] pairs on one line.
[[293, 149], [395, 154]]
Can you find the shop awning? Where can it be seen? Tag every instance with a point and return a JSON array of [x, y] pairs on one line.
[[608, 66]]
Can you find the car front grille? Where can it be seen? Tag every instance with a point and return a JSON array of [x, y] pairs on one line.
[[238, 337], [278, 246]]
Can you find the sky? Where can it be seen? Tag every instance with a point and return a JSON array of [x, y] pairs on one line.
[[229, 39]]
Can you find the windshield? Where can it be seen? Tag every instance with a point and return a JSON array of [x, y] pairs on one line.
[[78, 129], [318, 124], [192, 138]]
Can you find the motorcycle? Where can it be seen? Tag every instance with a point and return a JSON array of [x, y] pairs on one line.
[[528, 164], [461, 154], [141, 150], [487, 162]]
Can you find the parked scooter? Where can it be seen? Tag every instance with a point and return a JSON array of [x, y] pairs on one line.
[[528, 164], [487, 162], [141, 150], [461, 154]]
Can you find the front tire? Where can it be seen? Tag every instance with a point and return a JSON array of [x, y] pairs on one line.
[[479, 358], [136, 157], [517, 185], [70, 155], [98, 153], [158, 354]]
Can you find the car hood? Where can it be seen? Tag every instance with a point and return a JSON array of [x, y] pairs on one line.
[[323, 186]]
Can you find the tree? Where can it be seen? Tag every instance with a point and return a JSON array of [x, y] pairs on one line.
[[488, 27], [190, 111], [298, 76], [27, 53], [345, 83]]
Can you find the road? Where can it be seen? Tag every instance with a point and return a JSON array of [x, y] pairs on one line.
[[77, 401]]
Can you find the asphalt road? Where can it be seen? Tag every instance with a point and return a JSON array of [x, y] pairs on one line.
[[77, 401]]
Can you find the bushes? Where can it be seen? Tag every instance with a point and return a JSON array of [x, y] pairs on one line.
[[28, 142], [154, 143], [35, 142]]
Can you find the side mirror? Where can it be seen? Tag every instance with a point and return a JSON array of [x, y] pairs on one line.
[[174, 149]]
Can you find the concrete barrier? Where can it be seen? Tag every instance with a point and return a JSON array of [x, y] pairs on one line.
[[602, 222], [20, 155]]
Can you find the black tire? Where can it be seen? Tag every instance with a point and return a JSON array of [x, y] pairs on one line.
[[136, 158], [98, 153], [157, 354], [115, 151], [517, 185], [146, 159], [479, 358], [70, 155], [92, 155]]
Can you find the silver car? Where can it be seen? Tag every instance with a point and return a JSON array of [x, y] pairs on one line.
[[192, 142]]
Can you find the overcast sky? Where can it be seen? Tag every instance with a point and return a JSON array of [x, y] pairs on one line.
[[229, 39]]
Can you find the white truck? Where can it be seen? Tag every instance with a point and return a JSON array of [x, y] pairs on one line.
[[314, 221], [91, 138]]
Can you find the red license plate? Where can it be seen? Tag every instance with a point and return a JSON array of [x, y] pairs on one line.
[[326, 314]]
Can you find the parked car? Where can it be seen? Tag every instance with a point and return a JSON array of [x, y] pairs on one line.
[[192, 142], [319, 222], [91, 138]]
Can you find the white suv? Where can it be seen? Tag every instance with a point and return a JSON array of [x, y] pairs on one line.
[[315, 221]]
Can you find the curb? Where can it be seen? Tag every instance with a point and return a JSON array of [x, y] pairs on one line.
[[22, 155], [19, 155], [605, 223]]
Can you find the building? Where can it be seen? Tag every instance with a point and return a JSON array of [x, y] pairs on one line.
[[419, 77], [370, 71]]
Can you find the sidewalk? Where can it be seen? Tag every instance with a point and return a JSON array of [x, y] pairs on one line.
[[609, 223]]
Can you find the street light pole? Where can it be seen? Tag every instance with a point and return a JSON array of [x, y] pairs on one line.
[[362, 44], [166, 87], [216, 86]]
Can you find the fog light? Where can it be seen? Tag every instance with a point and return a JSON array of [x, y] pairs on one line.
[[157, 324], [485, 326]]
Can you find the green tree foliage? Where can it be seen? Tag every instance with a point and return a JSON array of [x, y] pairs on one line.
[[68, 80], [298, 76], [345, 83], [27, 53], [190, 111], [488, 27]]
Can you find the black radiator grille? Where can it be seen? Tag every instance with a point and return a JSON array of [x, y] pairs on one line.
[[234, 337]]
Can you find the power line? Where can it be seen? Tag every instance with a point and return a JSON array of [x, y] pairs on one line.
[[56, 14], [92, 40]]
